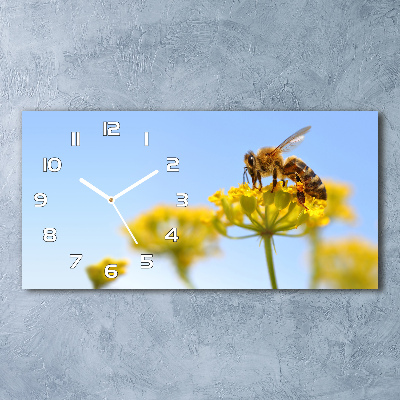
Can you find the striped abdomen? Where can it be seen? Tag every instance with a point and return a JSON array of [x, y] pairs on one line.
[[313, 185]]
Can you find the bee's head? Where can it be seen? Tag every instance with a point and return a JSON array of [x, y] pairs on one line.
[[250, 161]]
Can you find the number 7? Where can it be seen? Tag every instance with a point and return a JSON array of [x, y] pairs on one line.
[[79, 258]]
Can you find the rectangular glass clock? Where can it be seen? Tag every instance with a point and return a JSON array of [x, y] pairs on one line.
[[177, 200]]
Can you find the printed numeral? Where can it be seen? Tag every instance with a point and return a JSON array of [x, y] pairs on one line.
[[110, 130], [42, 198], [75, 138], [111, 273], [48, 164], [172, 235], [183, 200], [170, 167], [49, 234], [145, 262], [79, 258]]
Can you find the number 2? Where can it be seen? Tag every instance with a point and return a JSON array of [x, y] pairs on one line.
[[172, 167]]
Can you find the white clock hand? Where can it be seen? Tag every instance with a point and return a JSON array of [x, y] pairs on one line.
[[135, 184], [126, 225], [94, 188]]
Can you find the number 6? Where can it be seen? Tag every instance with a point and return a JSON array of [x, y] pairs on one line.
[[110, 273]]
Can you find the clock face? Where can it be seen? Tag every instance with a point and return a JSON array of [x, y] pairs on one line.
[[86, 175]]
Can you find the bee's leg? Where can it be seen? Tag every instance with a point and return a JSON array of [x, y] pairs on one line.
[[301, 198], [254, 180], [274, 180], [259, 179]]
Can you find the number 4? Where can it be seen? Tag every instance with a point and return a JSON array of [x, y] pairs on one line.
[[172, 235]]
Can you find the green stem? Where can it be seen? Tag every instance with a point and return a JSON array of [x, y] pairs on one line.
[[291, 206], [254, 221], [315, 240], [270, 261], [285, 234], [246, 226], [260, 213], [242, 237]]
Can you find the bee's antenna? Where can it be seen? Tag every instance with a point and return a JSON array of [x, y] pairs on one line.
[[245, 175]]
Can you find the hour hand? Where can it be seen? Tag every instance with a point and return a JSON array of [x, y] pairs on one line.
[[94, 188]]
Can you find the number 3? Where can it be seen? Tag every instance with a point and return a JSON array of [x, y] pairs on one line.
[[184, 200]]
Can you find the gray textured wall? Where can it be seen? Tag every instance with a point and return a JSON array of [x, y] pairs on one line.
[[198, 55]]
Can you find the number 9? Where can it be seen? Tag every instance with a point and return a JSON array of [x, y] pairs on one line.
[[42, 198]]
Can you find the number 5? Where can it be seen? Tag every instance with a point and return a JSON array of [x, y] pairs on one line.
[[145, 262]]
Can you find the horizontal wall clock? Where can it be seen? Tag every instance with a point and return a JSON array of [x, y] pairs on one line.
[[132, 199]]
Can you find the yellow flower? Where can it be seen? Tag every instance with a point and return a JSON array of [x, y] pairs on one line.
[[196, 234], [265, 213], [338, 197], [97, 272], [350, 263], [268, 212], [216, 197]]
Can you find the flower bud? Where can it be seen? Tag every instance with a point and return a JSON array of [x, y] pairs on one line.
[[219, 226], [303, 217], [227, 208], [248, 204], [282, 200], [268, 198]]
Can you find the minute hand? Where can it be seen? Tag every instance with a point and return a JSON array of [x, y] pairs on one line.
[[135, 184]]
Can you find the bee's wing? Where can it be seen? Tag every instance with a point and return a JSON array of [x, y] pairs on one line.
[[293, 141]]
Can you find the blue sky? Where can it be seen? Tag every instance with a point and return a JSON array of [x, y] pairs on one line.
[[210, 146]]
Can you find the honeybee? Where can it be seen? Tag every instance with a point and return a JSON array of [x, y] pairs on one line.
[[269, 161]]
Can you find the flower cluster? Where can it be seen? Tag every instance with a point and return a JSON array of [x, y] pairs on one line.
[[96, 272], [338, 207], [348, 263], [197, 236], [267, 212], [270, 212]]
